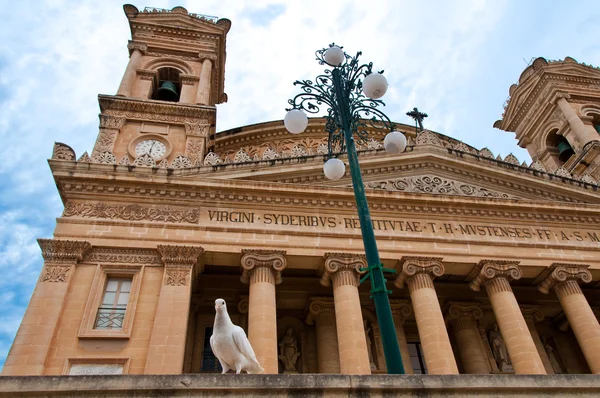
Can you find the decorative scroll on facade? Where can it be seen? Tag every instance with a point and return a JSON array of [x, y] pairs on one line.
[[132, 212]]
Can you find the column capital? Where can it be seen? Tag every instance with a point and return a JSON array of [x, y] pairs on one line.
[[253, 259], [209, 56], [175, 256], [67, 252], [411, 266], [558, 273], [560, 94], [342, 269], [463, 310], [488, 270], [319, 306], [136, 45], [401, 309], [189, 79], [532, 313], [111, 122]]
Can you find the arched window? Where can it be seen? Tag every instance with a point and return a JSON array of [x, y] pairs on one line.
[[559, 145], [169, 87]]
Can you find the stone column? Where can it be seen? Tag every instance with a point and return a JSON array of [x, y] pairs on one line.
[[137, 51], [533, 314], [495, 277], [418, 274], [109, 129], [189, 87], [463, 317], [400, 311], [32, 342], [167, 342], [583, 133], [342, 270], [564, 279], [203, 94], [262, 270], [321, 311]]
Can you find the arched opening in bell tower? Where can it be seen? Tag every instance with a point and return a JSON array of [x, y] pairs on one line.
[[559, 147], [169, 87]]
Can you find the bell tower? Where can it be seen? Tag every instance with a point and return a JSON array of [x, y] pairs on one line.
[[554, 110], [164, 111]]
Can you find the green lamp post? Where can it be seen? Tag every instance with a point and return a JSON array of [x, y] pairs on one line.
[[351, 93]]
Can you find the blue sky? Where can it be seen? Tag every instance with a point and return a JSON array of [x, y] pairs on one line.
[[453, 59]]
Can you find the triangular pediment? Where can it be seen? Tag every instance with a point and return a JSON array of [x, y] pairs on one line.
[[176, 21]]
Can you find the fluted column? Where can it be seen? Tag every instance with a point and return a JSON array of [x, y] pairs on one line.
[[400, 311], [463, 317], [495, 277], [342, 271], [418, 274], [583, 133], [533, 314], [128, 81], [166, 350], [203, 94], [321, 311], [564, 279], [262, 270], [32, 342]]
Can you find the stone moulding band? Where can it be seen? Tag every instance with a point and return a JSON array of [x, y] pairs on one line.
[[131, 212]]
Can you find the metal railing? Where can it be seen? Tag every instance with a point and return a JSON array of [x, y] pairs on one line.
[[109, 318]]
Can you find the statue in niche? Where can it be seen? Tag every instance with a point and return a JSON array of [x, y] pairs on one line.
[[288, 351], [499, 350], [555, 360], [369, 346]]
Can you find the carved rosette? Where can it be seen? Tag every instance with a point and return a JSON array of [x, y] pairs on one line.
[[401, 310], [342, 269], [463, 315], [494, 275], [174, 256], [59, 256], [320, 308], [564, 278], [418, 272], [532, 314], [262, 266]]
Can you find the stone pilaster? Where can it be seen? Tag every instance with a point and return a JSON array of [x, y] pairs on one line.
[[167, 342], [400, 311], [109, 129], [342, 271], [418, 274], [196, 138], [189, 87], [463, 317], [533, 314], [495, 276], [137, 50], [32, 342], [262, 271], [564, 280], [321, 311]]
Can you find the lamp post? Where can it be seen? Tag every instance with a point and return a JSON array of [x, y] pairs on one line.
[[351, 93]]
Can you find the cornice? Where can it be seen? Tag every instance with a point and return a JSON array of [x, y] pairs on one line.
[[154, 110], [63, 252]]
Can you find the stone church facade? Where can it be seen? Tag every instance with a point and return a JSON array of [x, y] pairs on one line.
[[497, 261]]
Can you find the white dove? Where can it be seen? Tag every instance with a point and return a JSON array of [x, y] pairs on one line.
[[230, 344]]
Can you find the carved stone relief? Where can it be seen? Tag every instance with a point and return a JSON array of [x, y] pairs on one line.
[[176, 277], [62, 152], [132, 212], [194, 149], [55, 274]]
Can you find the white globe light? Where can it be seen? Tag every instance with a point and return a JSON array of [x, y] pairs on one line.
[[375, 85], [334, 56], [334, 169], [394, 142], [295, 121]]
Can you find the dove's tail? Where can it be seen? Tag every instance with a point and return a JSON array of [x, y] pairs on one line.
[[256, 368]]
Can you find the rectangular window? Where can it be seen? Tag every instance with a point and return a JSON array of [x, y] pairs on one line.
[[111, 312], [416, 358], [210, 363]]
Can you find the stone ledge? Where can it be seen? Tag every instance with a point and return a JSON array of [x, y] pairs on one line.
[[209, 385]]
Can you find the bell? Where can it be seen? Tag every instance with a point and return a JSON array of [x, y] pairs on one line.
[[564, 150], [167, 92]]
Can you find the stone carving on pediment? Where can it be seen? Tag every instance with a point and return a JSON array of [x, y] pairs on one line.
[[84, 158], [298, 151], [55, 274], [269, 154], [432, 184], [132, 212], [105, 141], [486, 153], [176, 277], [562, 172], [241, 156], [197, 129], [124, 161], [589, 179], [512, 159], [123, 256], [212, 159], [181, 162], [461, 146], [164, 164], [322, 149], [145, 160], [427, 137], [537, 165], [104, 157], [62, 152]]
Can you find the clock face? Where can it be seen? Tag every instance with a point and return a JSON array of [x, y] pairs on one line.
[[156, 149]]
